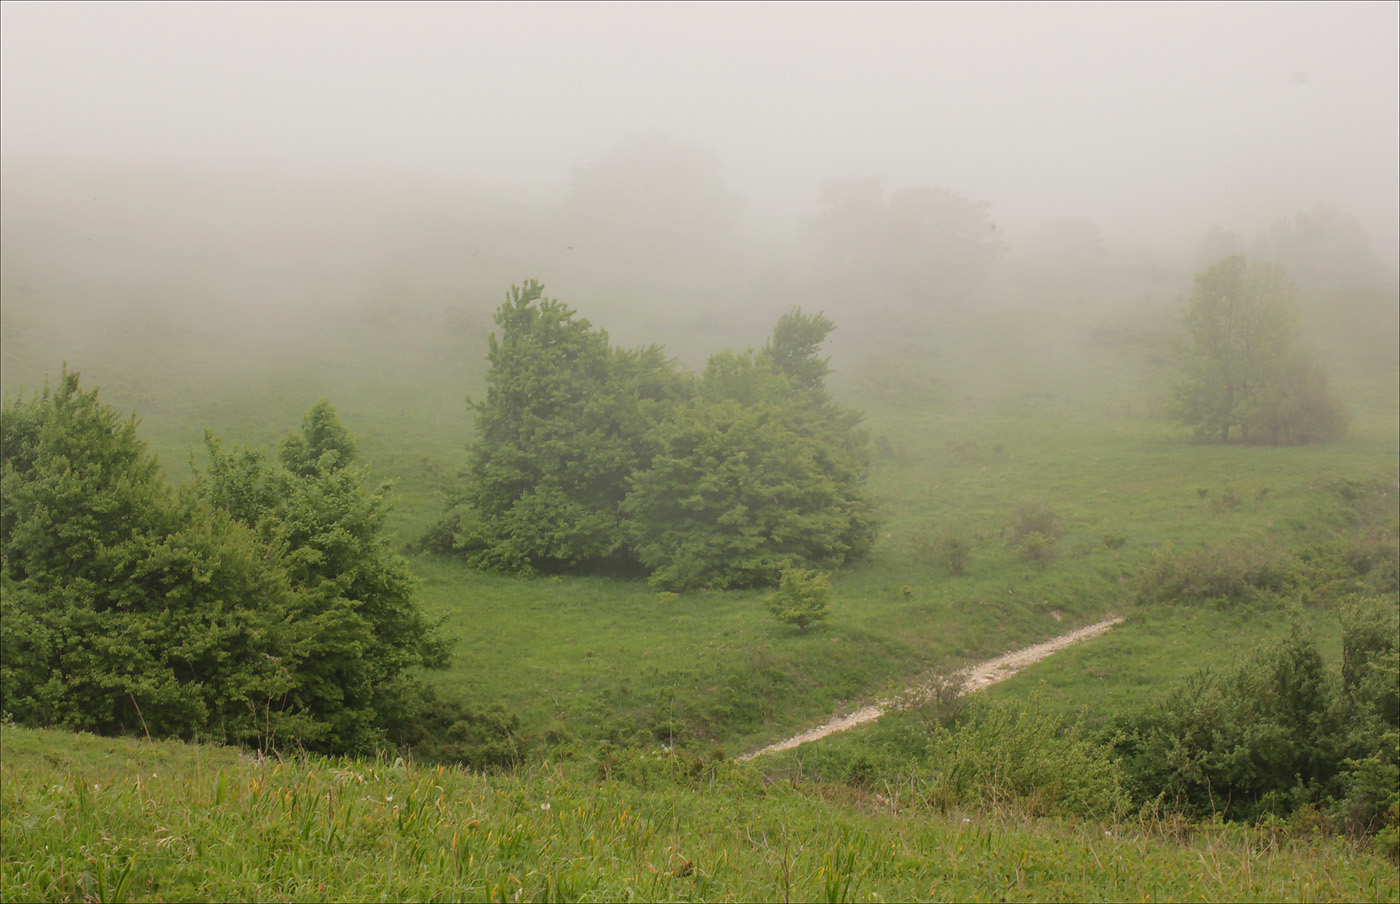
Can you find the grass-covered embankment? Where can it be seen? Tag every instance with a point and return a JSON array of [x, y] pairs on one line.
[[111, 819]]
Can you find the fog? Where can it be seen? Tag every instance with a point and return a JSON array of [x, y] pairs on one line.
[[271, 157]]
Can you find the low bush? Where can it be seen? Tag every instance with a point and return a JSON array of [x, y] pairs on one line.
[[1225, 576]]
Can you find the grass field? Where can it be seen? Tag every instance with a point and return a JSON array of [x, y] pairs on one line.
[[114, 820]]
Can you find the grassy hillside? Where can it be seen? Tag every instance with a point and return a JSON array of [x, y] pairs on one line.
[[976, 413], [116, 820], [980, 416]]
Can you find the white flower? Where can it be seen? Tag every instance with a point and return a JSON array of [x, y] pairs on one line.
[[545, 806]]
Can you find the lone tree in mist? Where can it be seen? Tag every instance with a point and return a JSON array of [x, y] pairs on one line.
[[1242, 375]]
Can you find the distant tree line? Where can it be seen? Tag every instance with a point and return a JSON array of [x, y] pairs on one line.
[[595, 458], [260, 605]]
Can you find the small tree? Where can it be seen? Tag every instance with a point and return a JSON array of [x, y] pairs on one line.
[[802, 599]]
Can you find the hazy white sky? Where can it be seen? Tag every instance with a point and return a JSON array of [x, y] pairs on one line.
[[1134, 115]]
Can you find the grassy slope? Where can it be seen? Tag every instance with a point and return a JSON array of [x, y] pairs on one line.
[[980, 420], [104, 819], [984, 411]]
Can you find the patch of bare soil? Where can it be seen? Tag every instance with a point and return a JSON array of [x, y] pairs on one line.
[[983, 674]]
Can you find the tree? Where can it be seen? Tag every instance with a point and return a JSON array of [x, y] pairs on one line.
[[1325, 248], [654, 195], [759, 472], [125, 607], [353, 630], [803, 598], [923, 243], [1240, 369], [562, 429]]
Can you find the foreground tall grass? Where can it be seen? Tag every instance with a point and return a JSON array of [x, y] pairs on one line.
[[112, 820]]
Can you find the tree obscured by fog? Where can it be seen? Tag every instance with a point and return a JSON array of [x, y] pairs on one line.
[[924, 245]]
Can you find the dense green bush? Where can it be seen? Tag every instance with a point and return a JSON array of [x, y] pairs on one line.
[[127, 608], [1280, 731], [563, 427], [263, 605], [1227, 576]]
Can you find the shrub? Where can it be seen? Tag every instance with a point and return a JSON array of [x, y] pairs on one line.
[[1296, 407], [952, 551], [802, 598], [1038, 548], [1233, 575], [1262, 738], [1025, 758], [1036, 533]]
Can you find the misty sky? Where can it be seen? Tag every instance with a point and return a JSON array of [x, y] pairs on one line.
[[1133, 115]]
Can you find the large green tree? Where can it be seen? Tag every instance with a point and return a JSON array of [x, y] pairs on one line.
[[262, 605], [590, 457], [760, 472], [353, 631], [126, 607], [562, 428], [1242, 375]]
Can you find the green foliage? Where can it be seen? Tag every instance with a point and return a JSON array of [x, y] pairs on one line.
[[998, 755], [1035, 535], [321, 434], [1225, 575], [431, 728], [589, 457], [1240, 369], [761, 471], [802, 599], [1264, 737], [563, 426], [352, 628], [126, 608]]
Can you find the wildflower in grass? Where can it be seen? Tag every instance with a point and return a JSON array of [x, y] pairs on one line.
[[545, 806]]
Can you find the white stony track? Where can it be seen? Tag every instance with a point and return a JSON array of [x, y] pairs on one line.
[[974, 678]]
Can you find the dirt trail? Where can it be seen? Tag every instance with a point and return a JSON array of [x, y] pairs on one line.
[[983, 674]]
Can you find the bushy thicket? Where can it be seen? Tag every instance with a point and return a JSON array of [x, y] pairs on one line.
[[260, 605], [1281, 731], [591, 458]]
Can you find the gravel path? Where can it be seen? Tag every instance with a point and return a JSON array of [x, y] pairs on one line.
[[983, 674]]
